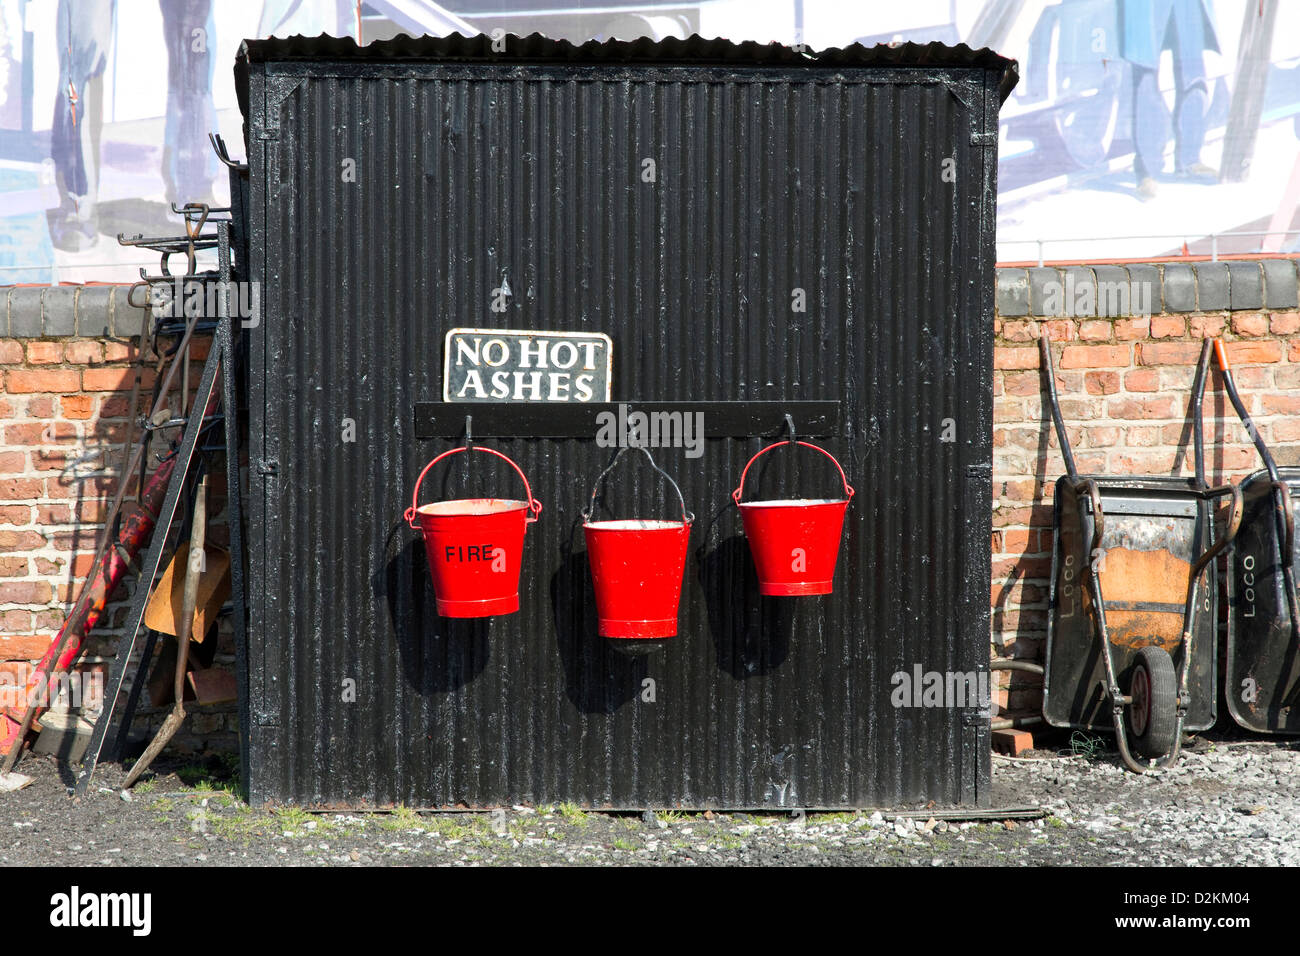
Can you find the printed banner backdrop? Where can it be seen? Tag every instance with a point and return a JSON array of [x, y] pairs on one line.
[[1140, 128]]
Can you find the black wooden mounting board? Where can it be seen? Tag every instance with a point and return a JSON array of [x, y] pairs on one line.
[[580, 419]]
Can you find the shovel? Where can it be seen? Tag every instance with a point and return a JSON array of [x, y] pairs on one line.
[[163, 612], [190, 597]]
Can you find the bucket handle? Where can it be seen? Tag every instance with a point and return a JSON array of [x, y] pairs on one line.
[[534, 505], [848, 489], [687, 517]]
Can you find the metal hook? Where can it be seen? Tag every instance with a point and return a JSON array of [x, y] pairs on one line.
[[789, 423], [219, 147]]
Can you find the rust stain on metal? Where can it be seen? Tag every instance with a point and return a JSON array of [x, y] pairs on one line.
[[1155, 576], [1144, 577], [1139, 628]]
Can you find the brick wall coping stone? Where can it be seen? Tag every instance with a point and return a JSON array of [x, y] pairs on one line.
[[1239, 285]]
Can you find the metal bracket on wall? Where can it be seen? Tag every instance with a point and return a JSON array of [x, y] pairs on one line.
[[278, 89], [584, 420]]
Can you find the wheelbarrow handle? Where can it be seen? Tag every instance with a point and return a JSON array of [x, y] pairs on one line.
[[534, 506], [1235, 398], [1236, 509], [1090, 488], [1288, 520], [1221, 354], [687, 517], [848, 489]]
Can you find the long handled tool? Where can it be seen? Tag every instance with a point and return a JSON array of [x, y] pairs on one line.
[[188, 602]]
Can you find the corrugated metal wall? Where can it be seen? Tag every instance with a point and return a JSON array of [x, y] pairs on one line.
[[767, 179]]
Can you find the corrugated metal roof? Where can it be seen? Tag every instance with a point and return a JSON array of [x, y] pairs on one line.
[[695, 50]]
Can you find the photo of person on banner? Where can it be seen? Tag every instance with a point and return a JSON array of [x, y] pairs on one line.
[[85, 31], [1185, 28]]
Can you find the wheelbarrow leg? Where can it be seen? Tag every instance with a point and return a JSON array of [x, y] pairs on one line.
[[1118, 699], [1087, 487], [1285, 518], [1189, 631]]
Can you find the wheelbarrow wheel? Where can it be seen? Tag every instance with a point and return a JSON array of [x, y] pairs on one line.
[[1153, 714]]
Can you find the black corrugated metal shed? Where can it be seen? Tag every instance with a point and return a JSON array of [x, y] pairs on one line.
[[865, 177]]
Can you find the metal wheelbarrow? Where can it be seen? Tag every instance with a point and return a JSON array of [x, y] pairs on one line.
[[1262, 680], [1141, 660]]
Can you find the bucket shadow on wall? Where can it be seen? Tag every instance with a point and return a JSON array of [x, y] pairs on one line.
[[598, 679], [436, 654], [751, 633]]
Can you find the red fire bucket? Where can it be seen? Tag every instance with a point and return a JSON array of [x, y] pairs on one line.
[[636, 567], [475, 546], [795, 541]]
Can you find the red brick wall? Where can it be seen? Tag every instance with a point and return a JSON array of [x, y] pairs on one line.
[[1124, 386], [63, 419]]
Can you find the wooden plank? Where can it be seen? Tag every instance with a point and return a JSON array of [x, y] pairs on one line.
[[213, 685], [584, 420]]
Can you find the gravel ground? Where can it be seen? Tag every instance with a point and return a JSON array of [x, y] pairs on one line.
[[1233, 802]]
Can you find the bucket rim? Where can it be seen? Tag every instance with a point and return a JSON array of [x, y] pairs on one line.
[[793, 502], [478, 507]]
